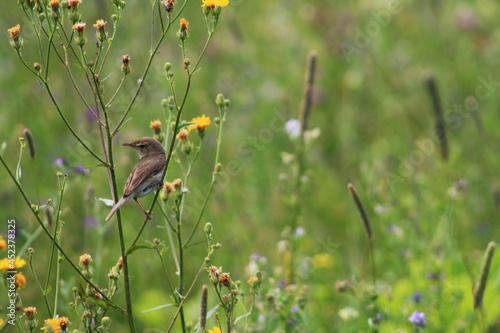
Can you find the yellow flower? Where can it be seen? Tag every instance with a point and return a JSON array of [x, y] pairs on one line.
[[20, 280], [200, 123], [54, 4], [322, 260], [5, 264], [215, 330], [252, 279], [52, 325], [1, 322], [213, 3], [3, 243], [155, 125], [14, 31], [184, 24]]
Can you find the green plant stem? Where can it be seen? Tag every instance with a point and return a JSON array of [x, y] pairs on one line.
[[215, 173], [51, 95], [57, 238], [42, 290], [114, 189], [169, 155], [111, 39], [47, 232], [181, 270], [181, 304], [146, 70]]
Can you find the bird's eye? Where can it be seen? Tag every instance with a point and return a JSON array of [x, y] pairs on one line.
[[142, 145]]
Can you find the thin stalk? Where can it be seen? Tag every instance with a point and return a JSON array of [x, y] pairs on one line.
[[111, 39], [146, 70], [114, 189], [181, 270], [47, 232], [181, 304], [42, 290], [57, 237], [169, 154], [215, 173]]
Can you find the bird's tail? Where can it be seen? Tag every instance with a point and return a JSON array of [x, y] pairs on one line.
[[115, 208]]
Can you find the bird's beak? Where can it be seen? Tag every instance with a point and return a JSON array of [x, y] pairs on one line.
[[128, 144]]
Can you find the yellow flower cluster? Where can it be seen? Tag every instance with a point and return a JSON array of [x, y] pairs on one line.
[[56, 324]]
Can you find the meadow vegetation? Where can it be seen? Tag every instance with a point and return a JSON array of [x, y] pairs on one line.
[[333, 166]]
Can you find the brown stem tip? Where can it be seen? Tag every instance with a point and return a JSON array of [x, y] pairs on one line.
[[359, 204]]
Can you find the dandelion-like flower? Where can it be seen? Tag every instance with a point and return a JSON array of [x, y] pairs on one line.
[[200, 123], [155, 125], [100, 24], [216, 329], [213, 3], [15, 31], [54, 4], [168, 5], [417, 318], [55, 325], [79, 27], [74, 3], [184, 24], [85, 260], [15, 41], [29, 312], [20, 280], [100, 32], [6, 265]]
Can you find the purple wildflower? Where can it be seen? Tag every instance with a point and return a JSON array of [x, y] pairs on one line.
[[60, 161], [417, 297], [81, 170], [418, 319]]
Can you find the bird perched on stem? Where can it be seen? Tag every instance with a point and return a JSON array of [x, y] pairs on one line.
[[146, 175]]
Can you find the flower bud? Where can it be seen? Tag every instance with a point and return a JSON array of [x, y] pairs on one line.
[[125, 64], [220, 100]]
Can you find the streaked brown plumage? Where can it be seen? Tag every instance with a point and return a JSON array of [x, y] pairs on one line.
[[146, 175]]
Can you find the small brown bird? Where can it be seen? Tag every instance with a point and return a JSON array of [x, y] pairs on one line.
[[146, 175]]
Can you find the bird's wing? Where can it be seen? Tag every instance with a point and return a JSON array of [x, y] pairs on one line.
[[148, 165]]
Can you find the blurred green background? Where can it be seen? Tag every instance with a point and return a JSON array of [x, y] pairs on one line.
[[376, 124]]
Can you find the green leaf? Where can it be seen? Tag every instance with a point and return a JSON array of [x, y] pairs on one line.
[[183, 125], [159, 307]]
